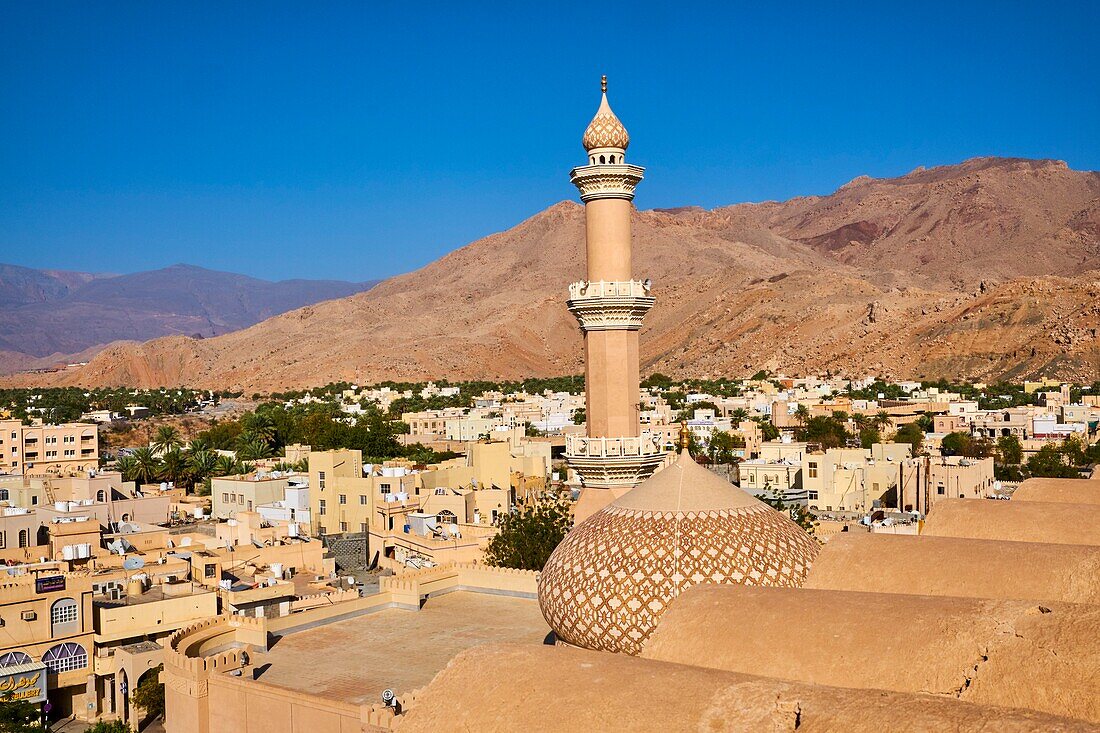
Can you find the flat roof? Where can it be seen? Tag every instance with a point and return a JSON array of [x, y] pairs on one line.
[[355, 660]]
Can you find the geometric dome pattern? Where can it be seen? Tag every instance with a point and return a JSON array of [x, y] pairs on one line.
[[610, 580], [605, 130]]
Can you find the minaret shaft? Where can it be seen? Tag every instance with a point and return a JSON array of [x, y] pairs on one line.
[[607, 234]]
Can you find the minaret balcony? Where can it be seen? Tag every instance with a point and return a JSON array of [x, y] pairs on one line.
[[613, 462], [606, 181], [601, 305]]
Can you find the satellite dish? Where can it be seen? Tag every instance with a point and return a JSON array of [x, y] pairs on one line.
[[116, 547], [134, 563], [256, 543], [388, 696]]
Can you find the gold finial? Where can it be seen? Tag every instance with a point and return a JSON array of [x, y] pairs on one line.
[[603, 83], [685, 435]]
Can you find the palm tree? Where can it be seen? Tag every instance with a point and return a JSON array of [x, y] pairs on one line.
[[802, 413], [198, 445], [202, 463], [167, 437], [738, 415], [126, 465], [882, 419], [225, 466], [146, 466], [174, 466], [252, 448], [260, 426]]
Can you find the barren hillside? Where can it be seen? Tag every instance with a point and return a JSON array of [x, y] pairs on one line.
[[988, 268]]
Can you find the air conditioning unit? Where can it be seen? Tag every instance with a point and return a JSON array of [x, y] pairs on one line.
[[28, 615]]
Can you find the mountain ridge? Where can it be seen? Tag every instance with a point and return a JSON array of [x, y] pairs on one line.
[[58, 315], [988, 268]]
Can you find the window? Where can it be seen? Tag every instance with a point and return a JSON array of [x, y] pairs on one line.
[[101, 495], [3, 494], [363, 527], [445, 517], [24, 538], [343, 526], [322, 508], [64, 611], [939, 490], [813, 469], [225, 498], [11, 659], [70, 453], [813, 496], [65, 657], [321, 480], [384, 488], [209, 570], [3, 540], [343, 498], [362, 499]]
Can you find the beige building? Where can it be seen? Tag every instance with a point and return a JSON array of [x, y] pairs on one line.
[[926, 480], [244, 493], [48, 450], [854, 479]]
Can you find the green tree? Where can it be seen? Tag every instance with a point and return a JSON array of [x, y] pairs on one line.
[[252, 447], [146, 466], [579, 416], [127, 466], [174, 466], [167, 437], [738, 415], [802, 414], [912, 434], [226, 466], [1050, 462], [202, 463], [828, 432], [19, 716], [722, 446], [529, 534], [1009, 450], [149, 693]]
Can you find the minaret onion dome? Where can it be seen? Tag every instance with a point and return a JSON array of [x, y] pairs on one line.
[[605, 139]]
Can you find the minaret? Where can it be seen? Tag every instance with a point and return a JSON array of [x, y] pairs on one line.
[[613, 458]]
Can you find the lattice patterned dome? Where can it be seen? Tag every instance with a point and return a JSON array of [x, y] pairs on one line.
[[607, 584], [605, 130]]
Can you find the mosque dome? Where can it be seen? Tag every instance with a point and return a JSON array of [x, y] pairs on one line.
[[605, 130], [607, 584]]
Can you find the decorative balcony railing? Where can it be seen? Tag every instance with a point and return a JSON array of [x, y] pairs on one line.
[[609, 289], [581, 446], [602, 305]]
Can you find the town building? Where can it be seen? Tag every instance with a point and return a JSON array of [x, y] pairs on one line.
[[48, 450]]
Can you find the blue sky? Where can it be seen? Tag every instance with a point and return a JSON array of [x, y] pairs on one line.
[[358, 140]]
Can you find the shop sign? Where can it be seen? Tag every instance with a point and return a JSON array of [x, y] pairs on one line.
[[28, 685], [49, 584]]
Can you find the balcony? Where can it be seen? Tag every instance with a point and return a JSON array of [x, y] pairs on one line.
[[613, 462], [602, 305]]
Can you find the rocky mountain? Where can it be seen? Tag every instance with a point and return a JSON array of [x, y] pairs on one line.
[[49, 316], [990, 268]]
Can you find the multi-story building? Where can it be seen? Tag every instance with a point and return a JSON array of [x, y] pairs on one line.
[[926, 479], [854, 479], [48, 450], [232, 494]]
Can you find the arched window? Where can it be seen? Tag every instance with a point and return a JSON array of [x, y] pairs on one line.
[[11, 659], [63, 612], [602, 159], [65, 657], [24, 538], [101, 495], [445, 517], [3, 494]]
